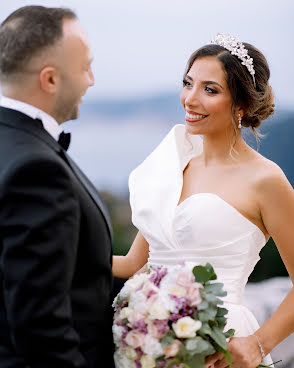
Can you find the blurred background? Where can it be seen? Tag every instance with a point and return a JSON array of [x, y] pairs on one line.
[[140, 52]]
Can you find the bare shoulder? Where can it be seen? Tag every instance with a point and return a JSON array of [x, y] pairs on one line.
[[269, 178]]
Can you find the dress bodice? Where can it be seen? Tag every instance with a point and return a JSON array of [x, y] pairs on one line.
[[203, 228]]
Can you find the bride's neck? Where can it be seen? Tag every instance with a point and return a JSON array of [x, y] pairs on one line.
[[224, 149]]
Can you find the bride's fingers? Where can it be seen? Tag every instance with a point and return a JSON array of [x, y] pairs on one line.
[[212, 359], [221, 364]]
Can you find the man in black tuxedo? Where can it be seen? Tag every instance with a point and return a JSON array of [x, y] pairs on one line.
[[55, 244]]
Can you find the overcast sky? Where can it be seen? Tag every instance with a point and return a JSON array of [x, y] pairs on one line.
[[141, 46]]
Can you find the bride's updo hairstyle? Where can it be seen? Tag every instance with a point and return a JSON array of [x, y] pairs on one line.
[[257, 102]]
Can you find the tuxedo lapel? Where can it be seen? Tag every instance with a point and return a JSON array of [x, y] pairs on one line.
[[91, 190], [23, 122]]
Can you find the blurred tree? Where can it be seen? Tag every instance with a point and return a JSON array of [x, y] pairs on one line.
[[270, 264], [123, 229]]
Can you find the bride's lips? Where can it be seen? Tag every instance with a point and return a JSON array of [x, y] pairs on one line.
[[192, 116]]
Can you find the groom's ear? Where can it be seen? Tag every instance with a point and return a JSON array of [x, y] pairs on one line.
[[49, 78]]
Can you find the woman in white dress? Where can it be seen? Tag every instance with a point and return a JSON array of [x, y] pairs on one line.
[[216, 199]]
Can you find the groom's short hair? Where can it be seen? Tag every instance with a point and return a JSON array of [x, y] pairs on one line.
[[26, 33]]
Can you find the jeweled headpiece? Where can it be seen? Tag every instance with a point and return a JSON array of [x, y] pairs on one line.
[[237, 48]]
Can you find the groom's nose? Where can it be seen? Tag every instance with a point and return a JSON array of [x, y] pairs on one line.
[[91, 78]]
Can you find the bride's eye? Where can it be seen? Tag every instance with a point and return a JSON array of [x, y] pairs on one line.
[[186, 83], [210, 90]]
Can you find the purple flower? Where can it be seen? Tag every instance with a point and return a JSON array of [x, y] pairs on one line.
[[138, 363], [157, 275], [161, 325], [141, 326], [139, 355], [151, 292], [162, 363]]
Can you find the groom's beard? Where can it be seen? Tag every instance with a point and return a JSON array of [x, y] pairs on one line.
[[67, 106]]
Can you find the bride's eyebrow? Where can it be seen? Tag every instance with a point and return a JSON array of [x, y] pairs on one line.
[[204, 82], [212, 82]]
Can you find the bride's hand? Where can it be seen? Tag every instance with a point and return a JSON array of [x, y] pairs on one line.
[[244, 351]]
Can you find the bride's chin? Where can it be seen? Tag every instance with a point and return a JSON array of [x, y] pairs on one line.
[[192, 129]]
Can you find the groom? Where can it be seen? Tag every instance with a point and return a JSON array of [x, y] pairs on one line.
[[55, 233]]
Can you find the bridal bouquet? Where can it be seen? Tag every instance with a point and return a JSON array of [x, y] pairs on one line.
[[170, 318]]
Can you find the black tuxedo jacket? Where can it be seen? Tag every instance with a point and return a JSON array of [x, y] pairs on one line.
[[55, 255]]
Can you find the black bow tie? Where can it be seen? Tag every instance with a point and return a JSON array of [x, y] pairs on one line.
[[64, 140]]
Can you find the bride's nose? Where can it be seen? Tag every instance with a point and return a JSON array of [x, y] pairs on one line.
[[192, 97]]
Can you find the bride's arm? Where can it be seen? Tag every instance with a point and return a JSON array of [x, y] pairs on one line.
[[127, 266], [276, 203], [277, 211]]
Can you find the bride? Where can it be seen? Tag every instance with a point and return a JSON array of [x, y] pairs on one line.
[[216, 199]]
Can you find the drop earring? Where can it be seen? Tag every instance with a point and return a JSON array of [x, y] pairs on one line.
[[240, 121]]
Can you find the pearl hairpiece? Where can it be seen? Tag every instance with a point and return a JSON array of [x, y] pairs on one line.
[[237, 48]]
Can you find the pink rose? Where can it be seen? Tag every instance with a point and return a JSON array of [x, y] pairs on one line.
[[193, 294], [151, 300], [135, 339], [136, 316], [184, 279], [173, 349], [149, 289], [153, 330]]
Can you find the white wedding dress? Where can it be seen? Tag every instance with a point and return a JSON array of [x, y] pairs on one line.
[[203, 228]]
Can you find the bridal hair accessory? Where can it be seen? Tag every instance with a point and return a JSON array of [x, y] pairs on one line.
[[237, 48], [240, 121]]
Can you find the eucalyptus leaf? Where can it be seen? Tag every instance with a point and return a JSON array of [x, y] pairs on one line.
[[167, 340], [228, 357], [219, 337], [221, 312], [173, 362], [213, 299], [197, 361], [216, 288], [202, 305], [207, 315], [221, 322], [198, 345], [201, 274], [230, 333], [205, 329], [209, 267], [204, 273]]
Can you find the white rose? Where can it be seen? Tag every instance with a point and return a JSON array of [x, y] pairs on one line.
[[152, 347], [126, 313], [130, 353], [178, 291], [136, 281], [138, 301], [158, 311], [147, 362], [169, 303], [117, 333], [121, 361], [186, 327]]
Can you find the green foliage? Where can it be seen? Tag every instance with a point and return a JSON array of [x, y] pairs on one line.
[[204, 273], [123, 229]]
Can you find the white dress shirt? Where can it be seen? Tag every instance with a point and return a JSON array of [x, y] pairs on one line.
[[49, 123]]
